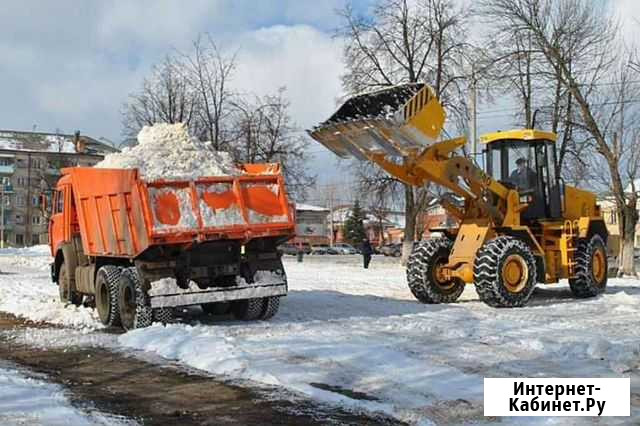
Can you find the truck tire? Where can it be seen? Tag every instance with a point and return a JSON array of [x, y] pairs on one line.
[[248, 309], [270, 307], [590, 268], [163, 315], [216, 308], [505, 272], [135, 309], [422, 276], [67, 295], [106, 295]]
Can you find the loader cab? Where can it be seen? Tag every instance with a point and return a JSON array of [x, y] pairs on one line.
[[526, 160]]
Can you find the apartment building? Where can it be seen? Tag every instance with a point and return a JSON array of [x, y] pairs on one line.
[[30, 164]]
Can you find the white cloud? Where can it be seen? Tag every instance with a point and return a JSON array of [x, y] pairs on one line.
[[307, 61]]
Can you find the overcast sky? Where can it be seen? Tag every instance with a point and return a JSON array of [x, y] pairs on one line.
[[71, 64]]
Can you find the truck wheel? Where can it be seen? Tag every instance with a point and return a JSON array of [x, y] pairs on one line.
[[216, 308], [135, 310], [106, 298], [67, 295], [423, 277], [590, 268], [247, 310], [505, 272], [270, 307], [163, 315]]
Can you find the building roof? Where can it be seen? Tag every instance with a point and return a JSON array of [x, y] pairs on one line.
[[15, 140], [310, 208]]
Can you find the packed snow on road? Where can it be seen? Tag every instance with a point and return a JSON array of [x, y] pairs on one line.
[[357, 338]]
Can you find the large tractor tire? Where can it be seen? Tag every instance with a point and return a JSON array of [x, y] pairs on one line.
[[271, 306], [590, 268], [505, 272], [66, 293], [135, 309], [106, 298], [423, 275]]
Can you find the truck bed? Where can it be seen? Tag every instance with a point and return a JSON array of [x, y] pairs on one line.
[[121, 215]]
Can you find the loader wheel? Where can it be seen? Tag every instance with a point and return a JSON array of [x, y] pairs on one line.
[[247, 310], [67, 295], [505, 272], [423, 273], [135, 309], [106, 298], [590, 268]]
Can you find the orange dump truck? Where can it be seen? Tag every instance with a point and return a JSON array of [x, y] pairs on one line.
[[141, 248]]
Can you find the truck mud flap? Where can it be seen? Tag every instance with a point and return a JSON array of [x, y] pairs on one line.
[[217, 295]]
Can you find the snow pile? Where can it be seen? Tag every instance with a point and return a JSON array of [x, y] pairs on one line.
[[167, 151], [28, 401]]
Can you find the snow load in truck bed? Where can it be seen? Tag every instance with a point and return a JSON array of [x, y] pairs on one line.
[[167, 151]]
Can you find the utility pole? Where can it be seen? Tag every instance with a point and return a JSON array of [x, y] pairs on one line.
[[474, 115]]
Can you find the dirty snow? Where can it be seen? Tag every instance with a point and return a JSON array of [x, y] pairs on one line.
[[29, 401], [187, 216], [358, 339], [167, 151]]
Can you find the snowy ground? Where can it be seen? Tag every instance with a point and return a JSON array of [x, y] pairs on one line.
[[29, 401], [357, 338]]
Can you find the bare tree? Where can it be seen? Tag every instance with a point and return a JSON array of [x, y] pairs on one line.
[[408, 41], [209, 73], [595, 77], [165, 97], [266, 133]]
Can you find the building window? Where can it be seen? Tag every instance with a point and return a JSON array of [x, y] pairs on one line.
[[35, 239], [21, 181], [613, 217], [20, 200], [34, 200], [19, 220], [20, 162], [6, 162], [35, 220], [19, 239]]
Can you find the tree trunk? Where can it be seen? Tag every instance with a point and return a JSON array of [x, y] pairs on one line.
[[630, 217], [409, 223]]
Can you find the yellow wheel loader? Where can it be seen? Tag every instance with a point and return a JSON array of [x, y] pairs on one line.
[[519, 224]]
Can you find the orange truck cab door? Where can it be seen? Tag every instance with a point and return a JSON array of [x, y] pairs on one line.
[[57, 232]]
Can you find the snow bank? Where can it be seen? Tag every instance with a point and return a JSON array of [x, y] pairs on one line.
[[26, 291], [167, 151], [28, 401]]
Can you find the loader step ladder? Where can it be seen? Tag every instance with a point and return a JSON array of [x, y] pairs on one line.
[[570, 237]]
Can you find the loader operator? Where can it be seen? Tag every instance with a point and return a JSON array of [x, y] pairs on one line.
[[523, 177]]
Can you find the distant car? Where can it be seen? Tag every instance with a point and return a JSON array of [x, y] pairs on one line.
[[292, 249], [394, 250], [344, 248], [321, 249]]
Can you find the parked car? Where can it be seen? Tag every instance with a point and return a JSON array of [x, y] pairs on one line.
[[292, 249], [344, 248], [394, 250], [323, 249]]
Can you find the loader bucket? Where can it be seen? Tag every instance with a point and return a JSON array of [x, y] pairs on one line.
[[394, 121]]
